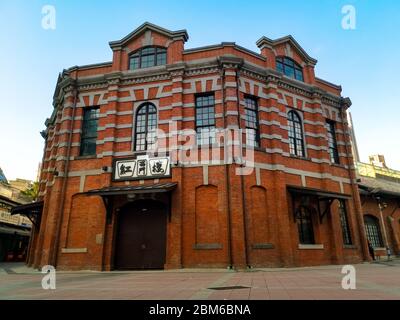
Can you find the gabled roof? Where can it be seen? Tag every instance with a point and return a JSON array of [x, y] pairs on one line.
[[264, 41], [149, 26]]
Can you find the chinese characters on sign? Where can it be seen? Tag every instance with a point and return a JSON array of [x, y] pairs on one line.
[[141, 168]]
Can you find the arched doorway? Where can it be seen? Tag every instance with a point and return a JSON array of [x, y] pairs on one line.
[[141, 235]]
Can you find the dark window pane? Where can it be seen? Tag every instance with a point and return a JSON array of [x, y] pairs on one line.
[[290, 68], [251, 120], [304, 225], [134, 63], [289, 62], [205, 119], [289, 72], [145, 127], [298, 75], [89, 131], [332, 143], [148, 57], [279, 66], [296, 141]]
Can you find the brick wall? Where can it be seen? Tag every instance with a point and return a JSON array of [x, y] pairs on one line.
[[218, 218]]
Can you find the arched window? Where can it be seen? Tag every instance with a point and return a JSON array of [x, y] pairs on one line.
[[304, 225], [373, 231], [289, 68], [148, 57], [296, 142], [145, 127]]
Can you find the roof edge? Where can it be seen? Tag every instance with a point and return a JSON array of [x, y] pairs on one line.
[[149, 26]]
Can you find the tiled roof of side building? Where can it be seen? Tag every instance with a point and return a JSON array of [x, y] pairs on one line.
[[380, 185]]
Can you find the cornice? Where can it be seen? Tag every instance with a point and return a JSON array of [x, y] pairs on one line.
[[265, 42], [174, 35]]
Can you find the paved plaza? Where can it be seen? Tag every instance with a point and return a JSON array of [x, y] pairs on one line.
[[373, 281]]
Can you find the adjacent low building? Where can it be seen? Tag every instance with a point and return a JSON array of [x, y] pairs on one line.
[[217, 156], [14, 229], [380, 199]]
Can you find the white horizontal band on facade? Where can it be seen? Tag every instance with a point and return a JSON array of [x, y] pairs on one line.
[[312, 110], [230, 73], [315, 135], [273, 123], [265, 166], [230, 84], [314, 123], [231, 98], [317, 148]]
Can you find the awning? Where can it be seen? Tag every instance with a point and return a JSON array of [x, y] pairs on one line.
[[152, 188], [14, 230], [321, 195], [108, 193], [33, 211], [318, 193]]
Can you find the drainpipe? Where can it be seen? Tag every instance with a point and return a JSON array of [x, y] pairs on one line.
[[381, 207], [226, 167], [241, 176], [54, 256]]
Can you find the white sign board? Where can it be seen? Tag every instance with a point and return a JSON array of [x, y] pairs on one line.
[[141, 168]]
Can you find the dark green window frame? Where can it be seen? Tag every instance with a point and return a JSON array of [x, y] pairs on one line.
[[89, 131], [147, 57], [205, 119], [289, 68], [332, 142], [252, 121]]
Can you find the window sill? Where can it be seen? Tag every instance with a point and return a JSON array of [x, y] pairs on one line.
[[263, 246], [300, 158], [94, 156], [338, 165], [349, 246], [311, 246], [207, 246]]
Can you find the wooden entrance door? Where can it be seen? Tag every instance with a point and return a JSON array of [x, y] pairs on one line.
[[141, 237]]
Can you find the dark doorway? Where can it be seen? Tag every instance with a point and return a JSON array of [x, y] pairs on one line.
[[141, 237]]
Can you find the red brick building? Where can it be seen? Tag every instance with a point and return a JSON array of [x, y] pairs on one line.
[[107, 204]]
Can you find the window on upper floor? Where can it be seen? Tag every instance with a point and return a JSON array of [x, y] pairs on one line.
[[148, 57], [145, 127], [332, 142], [205, 119], [252, 125], [89, 131], [289, 68], [296, 139]]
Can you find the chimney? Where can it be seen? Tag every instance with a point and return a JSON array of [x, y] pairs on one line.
[[378, 160]]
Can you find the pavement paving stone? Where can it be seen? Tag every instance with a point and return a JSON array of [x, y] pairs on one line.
[[375, 281]]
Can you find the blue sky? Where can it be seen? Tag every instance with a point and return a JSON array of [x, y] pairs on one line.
[[365, 61]]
